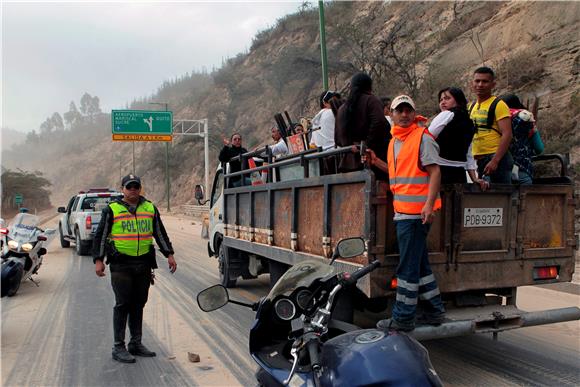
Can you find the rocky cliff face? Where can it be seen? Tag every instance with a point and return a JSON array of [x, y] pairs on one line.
[[533, 46]]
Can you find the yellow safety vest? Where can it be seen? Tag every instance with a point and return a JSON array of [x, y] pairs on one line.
[[132, 234]]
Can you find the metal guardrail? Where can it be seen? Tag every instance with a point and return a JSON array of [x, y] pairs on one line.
[[194, 210]]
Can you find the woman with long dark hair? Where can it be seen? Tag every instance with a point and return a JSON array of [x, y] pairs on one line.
[[361, 118], [453, 131]]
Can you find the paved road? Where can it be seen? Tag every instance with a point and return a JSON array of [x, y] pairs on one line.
[[62, 330]]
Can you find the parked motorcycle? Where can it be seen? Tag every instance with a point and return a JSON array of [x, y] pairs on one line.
[[296, 342], [22, 251]]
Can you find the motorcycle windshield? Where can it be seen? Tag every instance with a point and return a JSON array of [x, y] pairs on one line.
[[300, 275], [23, 227]]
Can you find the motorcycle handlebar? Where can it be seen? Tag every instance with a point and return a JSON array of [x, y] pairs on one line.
[[312, 347], [354, 277]]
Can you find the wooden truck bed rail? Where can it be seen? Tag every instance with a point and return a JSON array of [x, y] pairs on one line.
[[497, 239]]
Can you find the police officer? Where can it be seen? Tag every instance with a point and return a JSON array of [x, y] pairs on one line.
[[125, 235]]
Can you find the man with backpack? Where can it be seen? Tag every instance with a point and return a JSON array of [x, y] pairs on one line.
[[493, 135]]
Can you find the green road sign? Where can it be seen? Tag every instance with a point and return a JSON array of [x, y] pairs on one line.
[[141, 122], [18, 198]]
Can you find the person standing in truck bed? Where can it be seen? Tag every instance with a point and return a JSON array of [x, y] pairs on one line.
[[414, 180], [493, 133], [233, 148], [361, 118]]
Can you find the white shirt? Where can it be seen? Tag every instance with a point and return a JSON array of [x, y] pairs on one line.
[[280, 148], [325, 136], [436, 127]]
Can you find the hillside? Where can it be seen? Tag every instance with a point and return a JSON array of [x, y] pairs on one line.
[[412, 47]]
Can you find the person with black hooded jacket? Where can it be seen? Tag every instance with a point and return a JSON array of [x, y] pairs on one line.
[[361, 118]]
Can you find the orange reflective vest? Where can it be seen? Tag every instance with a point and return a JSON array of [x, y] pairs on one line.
[[408, 182]]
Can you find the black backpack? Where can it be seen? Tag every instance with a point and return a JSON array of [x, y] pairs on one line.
[[490, 115]]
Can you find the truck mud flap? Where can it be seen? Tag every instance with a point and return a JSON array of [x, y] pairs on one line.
[[497, 322]]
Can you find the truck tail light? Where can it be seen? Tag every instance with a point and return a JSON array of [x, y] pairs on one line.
[[88, 222], [3, 230], [546, 273], [393, 284]]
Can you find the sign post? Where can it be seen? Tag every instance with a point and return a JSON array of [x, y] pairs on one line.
[[18, 199]]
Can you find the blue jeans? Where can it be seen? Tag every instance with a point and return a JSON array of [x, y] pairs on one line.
[[524, 178], [503, 173], [415, 280]]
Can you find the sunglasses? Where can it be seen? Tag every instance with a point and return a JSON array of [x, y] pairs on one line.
[[132, 186]]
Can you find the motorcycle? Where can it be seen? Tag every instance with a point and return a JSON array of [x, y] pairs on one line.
[[295, 340], [22, 250]]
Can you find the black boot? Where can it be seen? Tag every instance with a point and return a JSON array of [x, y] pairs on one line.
[[139, 349], [121, 354]]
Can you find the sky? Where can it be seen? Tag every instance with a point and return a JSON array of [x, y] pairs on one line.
[[54, 52]]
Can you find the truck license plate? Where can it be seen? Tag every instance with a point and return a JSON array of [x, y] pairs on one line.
[[482, 217]]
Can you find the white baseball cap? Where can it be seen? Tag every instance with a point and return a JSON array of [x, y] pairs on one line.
[[402, 99]]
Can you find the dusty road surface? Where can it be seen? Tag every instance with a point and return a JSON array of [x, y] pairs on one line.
[[60, 334]]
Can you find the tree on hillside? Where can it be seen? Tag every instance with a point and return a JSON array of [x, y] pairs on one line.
[[72, 117], [90, 106], [31, 185], [399, 60]]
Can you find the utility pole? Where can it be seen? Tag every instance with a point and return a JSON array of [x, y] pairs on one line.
[[167, 186], [323, 45]]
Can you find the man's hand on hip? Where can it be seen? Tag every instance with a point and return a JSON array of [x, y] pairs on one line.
[[100, 268]]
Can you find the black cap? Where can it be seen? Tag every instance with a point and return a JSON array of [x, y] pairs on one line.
[[130, 179]]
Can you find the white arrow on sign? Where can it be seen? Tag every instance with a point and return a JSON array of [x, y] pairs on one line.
[[149, 123]]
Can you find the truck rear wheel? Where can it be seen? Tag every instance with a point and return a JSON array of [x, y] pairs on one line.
[[225, 267], [63, 242], [81, 247], [277, 270]]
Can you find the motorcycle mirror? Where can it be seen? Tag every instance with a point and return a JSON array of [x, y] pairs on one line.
[[212, 298], [348, 248], [41, 238]]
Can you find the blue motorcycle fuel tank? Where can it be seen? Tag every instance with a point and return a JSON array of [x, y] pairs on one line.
[[375, 357]]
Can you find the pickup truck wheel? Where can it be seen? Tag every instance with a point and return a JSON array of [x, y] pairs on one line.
[[80, 247], [224, 267], [63, 242]]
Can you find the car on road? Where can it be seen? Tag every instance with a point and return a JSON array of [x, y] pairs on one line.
[[81, 217]]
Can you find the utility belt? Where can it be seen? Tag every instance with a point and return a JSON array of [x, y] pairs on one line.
[[114, 257]]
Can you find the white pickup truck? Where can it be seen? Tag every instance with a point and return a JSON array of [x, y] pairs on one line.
[[81, 217]]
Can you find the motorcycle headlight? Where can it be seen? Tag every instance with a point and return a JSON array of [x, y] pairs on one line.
[[27, 246], [13, 244]]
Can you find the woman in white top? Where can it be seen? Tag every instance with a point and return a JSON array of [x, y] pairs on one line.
[[324, 120], [453, 130]]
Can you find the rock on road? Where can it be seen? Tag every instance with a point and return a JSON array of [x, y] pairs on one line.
[[60, 333]]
